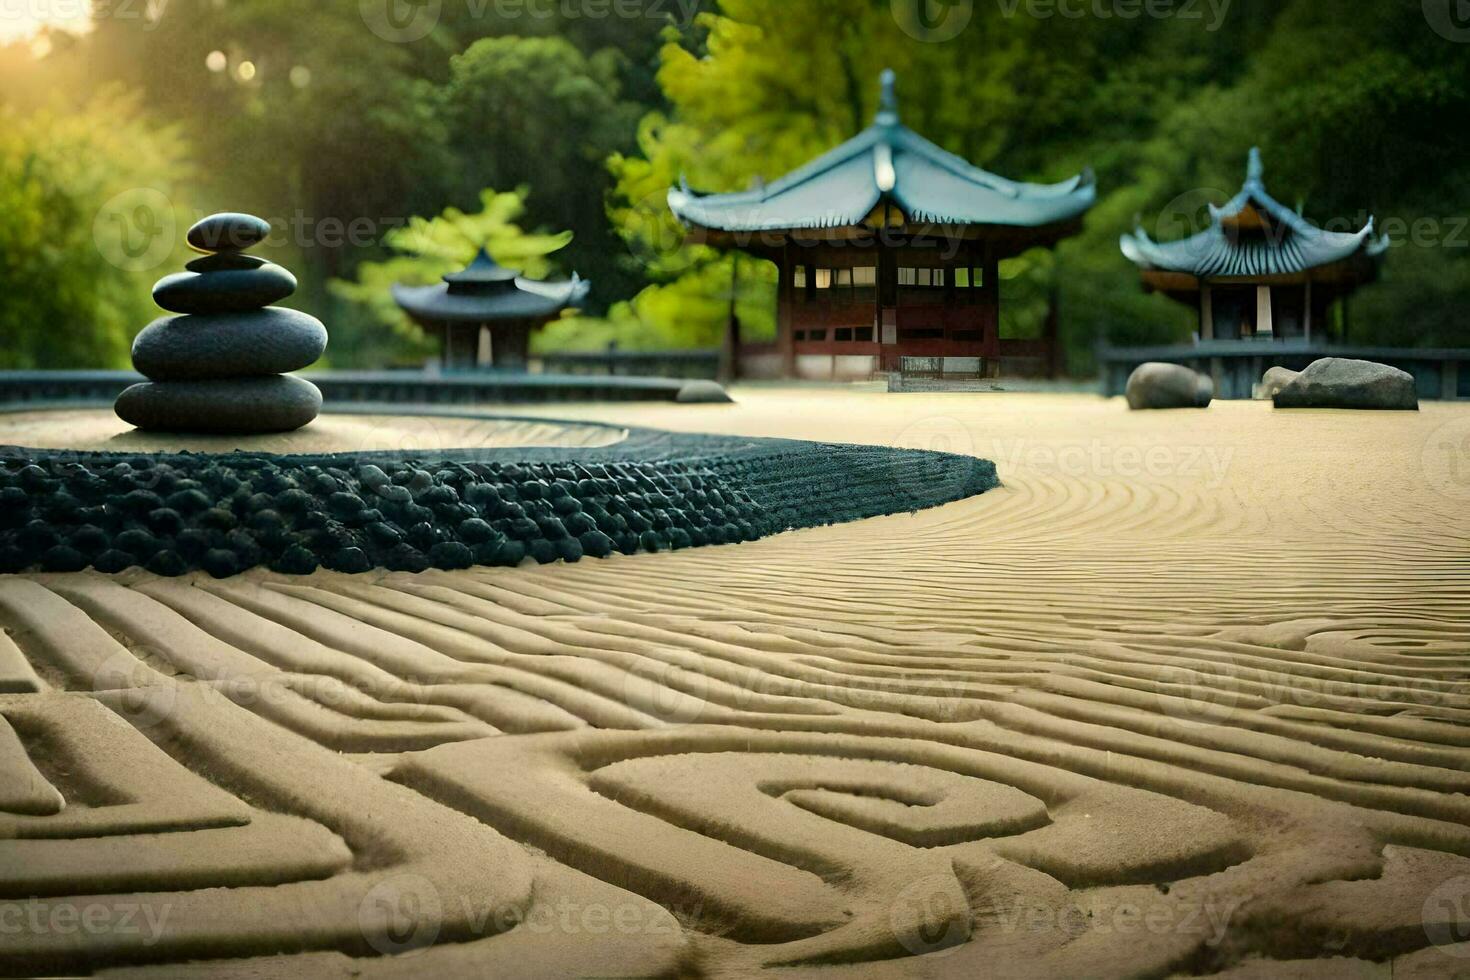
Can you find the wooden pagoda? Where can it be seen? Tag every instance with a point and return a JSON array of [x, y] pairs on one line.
[[888, 248], [1260, 271], [485, 314]]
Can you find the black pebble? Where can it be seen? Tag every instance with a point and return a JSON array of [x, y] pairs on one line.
[[451, 555]]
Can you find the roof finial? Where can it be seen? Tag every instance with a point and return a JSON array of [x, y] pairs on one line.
[[888, 104], [1256, 169]]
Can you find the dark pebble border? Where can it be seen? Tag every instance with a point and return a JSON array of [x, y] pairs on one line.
[[656, 491]]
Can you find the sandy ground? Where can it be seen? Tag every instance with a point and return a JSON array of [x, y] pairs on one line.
[[1187, 696], [87, 430]]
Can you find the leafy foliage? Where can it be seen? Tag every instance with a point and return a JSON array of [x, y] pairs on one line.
[[318, 122], [87, 217]]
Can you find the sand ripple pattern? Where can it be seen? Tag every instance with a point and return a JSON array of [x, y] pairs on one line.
[[1084, 725]]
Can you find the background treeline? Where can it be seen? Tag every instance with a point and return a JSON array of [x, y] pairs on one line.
[[303, 113]]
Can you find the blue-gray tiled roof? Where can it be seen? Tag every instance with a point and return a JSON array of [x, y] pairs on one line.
[[486, 291], [1288, 245], [886, 162]]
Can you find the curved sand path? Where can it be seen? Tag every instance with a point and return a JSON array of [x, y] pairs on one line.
[[1188, 695]]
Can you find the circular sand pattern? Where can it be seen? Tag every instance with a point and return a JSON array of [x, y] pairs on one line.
[[1004, 719]]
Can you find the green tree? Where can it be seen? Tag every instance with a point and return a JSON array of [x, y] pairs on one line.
[[537, 112], [90, 215]]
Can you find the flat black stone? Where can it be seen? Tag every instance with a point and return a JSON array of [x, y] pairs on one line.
[[228, 231], [224, 261], [226, 291], [239, 405], [228, 345]]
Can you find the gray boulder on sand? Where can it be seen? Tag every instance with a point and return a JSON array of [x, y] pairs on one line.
[[220, 367], [1273, 381], [703, 392], [1337, 382], [1154, 385]]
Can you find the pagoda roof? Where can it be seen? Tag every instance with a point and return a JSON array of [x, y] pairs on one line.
[[886, 163], [485, 291], [1253, 236]]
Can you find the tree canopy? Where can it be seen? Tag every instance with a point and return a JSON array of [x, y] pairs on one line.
[[339, 130]]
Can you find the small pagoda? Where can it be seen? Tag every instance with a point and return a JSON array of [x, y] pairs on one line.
[[485, 314], [888, 248], [1260, 271]]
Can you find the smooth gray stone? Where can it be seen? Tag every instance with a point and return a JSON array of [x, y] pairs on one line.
[[221, 261], [226, 291], [1339, 382], [228, 345], [703, 393], [1154, 386], [237, 405], [228, 231]]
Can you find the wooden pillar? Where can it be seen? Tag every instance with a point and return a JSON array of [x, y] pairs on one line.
[[1206, 313], [730, 350], [1307, 314], [1051, 333], [785, 311], [990, 302]]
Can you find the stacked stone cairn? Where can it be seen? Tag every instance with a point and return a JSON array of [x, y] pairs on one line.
[[220, 366]]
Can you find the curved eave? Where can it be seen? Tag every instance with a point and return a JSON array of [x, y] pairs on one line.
[[892, 164], [1213, 254], [435, 304]]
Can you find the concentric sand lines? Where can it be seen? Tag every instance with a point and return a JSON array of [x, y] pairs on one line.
[[1098, 722]]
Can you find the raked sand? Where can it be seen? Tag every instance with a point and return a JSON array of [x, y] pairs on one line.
[[1188, 695]]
